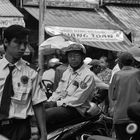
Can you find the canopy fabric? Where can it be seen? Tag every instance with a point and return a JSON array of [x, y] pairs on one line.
[[81, 19], [95, 38], [129, 16], [112, 46]]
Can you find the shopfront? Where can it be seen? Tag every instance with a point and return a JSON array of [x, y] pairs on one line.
[[86, 25]]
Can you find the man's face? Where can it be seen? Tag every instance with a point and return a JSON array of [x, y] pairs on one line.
[[16, 47], [75, 59]]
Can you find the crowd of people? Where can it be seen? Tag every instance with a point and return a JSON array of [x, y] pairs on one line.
[[75, 81]]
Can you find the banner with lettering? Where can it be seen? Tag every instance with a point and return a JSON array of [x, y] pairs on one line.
[[84, 34]]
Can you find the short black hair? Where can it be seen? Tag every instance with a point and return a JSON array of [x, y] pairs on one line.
[[15, 31], [126, 59]]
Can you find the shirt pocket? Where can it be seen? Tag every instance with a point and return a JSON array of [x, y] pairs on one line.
[[20, 97], [71, 89], [22, 93]]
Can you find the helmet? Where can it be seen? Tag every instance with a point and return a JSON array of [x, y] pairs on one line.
[[54, 62], [75, 47], [87, 60]]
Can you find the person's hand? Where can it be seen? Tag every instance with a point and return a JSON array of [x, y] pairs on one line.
[[93, 110]]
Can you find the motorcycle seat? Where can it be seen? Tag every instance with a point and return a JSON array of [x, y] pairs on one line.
[[76, 121]]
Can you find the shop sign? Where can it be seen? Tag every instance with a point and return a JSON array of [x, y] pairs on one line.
[[84, 34], [65, 3], [7, 21]]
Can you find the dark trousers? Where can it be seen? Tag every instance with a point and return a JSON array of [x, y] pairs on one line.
[[15, 129], [57, 117], [120, 130]]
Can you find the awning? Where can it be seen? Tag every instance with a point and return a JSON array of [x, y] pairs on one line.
[[9, 14], [72, 18], [100, 38], [130, 17], [81, 19]]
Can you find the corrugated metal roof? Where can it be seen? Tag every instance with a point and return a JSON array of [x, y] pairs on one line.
[[71, 18], [8, 10], [81, 19], [129, 16], [107, 17]]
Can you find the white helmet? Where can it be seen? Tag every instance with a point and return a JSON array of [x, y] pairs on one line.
[[87, 60], [54, 62]]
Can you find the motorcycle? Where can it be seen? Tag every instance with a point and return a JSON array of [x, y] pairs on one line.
[[95, 137], [95, 123], [47, 87], [92, 125], [133, 128]]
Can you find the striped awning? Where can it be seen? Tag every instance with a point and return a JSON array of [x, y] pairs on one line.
[[129, 16], [81, 19], [9, 14], [113, 46]]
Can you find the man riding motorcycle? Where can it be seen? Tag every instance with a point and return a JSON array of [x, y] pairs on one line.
[[71, 99]]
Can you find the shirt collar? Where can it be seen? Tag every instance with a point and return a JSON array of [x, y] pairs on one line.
[[6, 62], [78, 71], [18, 64]]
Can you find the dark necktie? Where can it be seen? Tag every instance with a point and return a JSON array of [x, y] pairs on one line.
[[7, 94]]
